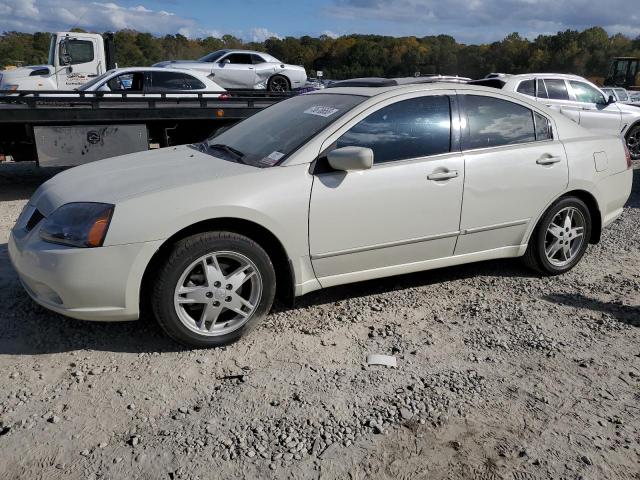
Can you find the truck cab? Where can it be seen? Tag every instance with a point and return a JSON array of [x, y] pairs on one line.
[[624, 73], [74, 59]]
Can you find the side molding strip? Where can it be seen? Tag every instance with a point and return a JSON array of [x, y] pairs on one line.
[[384, 245]]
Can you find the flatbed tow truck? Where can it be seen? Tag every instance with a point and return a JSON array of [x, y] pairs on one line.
[[64, 129]]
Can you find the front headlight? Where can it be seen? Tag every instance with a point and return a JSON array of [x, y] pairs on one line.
[[78, 224]]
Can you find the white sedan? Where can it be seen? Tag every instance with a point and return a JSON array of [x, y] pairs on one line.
[[245, 69], [322, 189], [150, 82]]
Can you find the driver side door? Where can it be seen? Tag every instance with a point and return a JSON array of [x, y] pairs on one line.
[[403, 211], [235, 70]]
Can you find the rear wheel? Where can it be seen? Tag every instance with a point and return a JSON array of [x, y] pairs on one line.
[[279, 83], [633, 142], [560, 238], [213, 288]]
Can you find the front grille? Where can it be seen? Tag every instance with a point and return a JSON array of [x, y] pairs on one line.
[[35, 219]]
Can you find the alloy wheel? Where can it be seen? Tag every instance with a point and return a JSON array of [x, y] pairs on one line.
[[564, 236], [633, 142], [279, 84], [218, 293]]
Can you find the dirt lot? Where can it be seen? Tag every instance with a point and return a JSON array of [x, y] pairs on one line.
[[501, 375]]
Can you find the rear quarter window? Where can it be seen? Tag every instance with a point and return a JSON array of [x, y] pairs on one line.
[[527, 87]]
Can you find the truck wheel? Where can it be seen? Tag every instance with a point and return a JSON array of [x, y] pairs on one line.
[[213, 288], [279, 83], [560, 238], [633, 142]]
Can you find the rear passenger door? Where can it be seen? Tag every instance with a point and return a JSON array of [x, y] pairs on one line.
[[513, 168], [554, 93]]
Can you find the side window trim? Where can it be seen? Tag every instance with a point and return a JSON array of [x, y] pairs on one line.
[[540, 81], [537, 114]]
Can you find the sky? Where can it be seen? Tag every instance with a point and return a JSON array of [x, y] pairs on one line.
[[469, 21]]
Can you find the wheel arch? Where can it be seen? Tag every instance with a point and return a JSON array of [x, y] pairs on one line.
[[285, 275], [594, 210], [626, 134]]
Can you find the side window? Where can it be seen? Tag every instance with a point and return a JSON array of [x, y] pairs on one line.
[[192, 83], [163, 81], [543, 127], [120, 83], [528, 87], [557, 89], [240, 58], [622, 94], [542, 90], [494, 122], [79, 51], [257, 59], [412, 128], [586, 93]]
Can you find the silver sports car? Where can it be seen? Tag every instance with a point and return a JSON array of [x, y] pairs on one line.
[[245, 69]]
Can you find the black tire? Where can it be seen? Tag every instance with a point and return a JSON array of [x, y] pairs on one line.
[[279, 83], [535, 256], [180, 257], [633, 141]]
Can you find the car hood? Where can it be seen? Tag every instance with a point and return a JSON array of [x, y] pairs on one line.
[[628, 108], [119, 178], [11, 76]]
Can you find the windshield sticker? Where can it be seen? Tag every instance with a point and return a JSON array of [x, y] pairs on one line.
[[272, 158], [321, 111]]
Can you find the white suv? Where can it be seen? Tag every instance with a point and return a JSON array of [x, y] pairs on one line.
[[578, 99]]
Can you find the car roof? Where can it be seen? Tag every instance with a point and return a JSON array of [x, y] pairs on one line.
[[195, 73], [370, 91], [526, 76], [390, 82], [263, 54]]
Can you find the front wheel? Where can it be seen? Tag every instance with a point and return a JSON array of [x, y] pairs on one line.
[[213, 288], [633, 142], [560, 238]]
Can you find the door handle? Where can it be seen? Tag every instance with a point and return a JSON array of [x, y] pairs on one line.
[[443, 175], [548, 160]]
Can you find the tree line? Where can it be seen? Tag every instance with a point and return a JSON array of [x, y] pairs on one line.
[[587, 53]]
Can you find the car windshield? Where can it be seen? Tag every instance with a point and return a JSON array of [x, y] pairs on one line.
[[212, 57], [266, 138], [95, 81]]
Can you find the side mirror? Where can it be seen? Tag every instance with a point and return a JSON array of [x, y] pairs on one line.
[[351, 158], [611, 100], [226, 61]]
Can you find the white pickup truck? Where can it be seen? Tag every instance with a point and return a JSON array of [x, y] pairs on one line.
[[74, 59]]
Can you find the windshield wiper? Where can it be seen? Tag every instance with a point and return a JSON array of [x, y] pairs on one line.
[[237, 154]]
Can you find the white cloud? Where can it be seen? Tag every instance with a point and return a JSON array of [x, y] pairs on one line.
[[330, 34], [61, 15], [485, 20], [259, 34]]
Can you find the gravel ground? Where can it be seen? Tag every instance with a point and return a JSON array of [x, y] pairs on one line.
[[501, 375]]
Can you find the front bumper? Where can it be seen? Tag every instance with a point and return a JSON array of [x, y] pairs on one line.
[[85, 283]]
